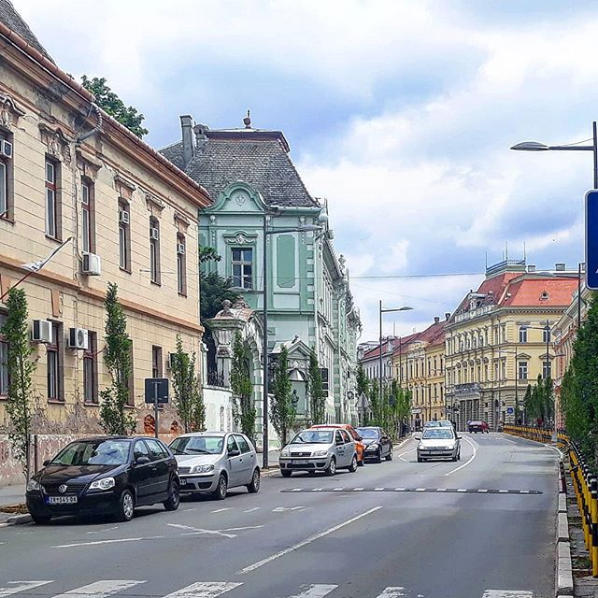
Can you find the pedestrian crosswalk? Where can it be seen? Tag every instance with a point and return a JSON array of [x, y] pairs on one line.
[[201, 589]]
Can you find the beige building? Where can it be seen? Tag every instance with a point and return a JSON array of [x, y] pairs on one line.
[[73, 178], [500, 339]]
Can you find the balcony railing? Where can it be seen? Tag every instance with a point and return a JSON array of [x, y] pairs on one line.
[[468, 388], [216, 378], [474, 313]]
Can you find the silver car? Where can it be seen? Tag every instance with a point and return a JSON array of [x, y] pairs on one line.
[[439, 442], [324, 449], [213, 462]]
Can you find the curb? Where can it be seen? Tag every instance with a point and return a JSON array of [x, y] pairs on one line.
[[564, 566], [16, 520]]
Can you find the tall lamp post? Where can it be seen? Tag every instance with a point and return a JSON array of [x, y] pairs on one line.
[[383, 310]]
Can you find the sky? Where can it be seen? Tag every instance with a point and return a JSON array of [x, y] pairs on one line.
[[400, 113]]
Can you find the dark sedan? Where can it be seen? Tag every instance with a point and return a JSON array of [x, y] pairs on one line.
[[104, 476], [378, 444]]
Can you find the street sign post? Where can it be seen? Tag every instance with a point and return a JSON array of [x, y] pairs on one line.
[[156, 392], [510, 410], [592, 240]]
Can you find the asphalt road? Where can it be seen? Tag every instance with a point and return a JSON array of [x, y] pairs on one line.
[[482, 527]]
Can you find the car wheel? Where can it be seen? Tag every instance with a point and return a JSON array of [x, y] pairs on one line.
[[221, 489], [389, 456], [174, 497], [361, 462], [255, 482], [378, 457], [331, 469], [126, 506], [353, 467], [459, 456], [455, 457], [286, 473], [419, 459], [41, 519]]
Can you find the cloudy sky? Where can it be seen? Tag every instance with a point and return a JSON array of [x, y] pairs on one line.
[[399, 112]]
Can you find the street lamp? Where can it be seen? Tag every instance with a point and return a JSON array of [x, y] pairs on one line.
[[385, 311], [535, 146]]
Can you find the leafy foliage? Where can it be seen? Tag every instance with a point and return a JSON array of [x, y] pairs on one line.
[[539, 400], [283, 411], [317, 400], [20, 372], [187, 394], [114, 106], [214, 289], [242, 390], [114, 417], [363, 383]]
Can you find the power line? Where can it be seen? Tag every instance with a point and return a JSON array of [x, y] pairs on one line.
[[396, 276]]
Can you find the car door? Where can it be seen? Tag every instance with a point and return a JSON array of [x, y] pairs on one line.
[[141, 470], [340, 449], [160, 470], [350, 446], [247, 459], [385, 443], [234, 462]]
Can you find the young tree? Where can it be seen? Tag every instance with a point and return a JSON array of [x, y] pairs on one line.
[[363, 383], [283, 410], [108, 101], [188, 400], [20, 373], [375, 403], [242, 389], [317, 400], [114, 416]]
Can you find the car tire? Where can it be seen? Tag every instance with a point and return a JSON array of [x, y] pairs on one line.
[[419, 460], [331, 469], [353, 466], [459, 456], [378, 457], [455, 457], [174, 497], [221, 489], [389, 456], [286, 473], [361, 462], [254, 486], [126, 506], [41, 519]]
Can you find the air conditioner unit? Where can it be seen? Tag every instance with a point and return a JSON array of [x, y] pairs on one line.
[[180, 248], [6, 149], [124, 217], [78, 339], [92, 265], [171, 360], [154, 234], [42, 332]]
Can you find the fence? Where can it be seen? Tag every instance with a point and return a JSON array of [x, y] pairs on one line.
[[530, 432]]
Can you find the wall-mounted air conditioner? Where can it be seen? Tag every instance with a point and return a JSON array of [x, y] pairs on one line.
[[92, 265], [154, 234], [180, 248], [42, 332], [171, 360], [124, 217], [5, 149], [78, 339]]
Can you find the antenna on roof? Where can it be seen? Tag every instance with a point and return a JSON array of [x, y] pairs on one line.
[[247, 120], [506, 250], [486, 259], [524, 252]]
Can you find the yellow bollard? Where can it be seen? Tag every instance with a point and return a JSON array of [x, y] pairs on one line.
[[594, 520]]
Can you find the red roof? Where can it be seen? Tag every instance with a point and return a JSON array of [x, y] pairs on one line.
[[539, 292], [405, 341]]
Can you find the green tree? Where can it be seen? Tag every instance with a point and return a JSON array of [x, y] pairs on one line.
[[375, 403], [213, 290], [242, 390], [317, 400], [20, 373], [114, 415], [110, 103], [363, 383], [283, 411], [187, 394], [539, 400]]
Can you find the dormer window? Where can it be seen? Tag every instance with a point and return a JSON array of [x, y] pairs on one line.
[[544, 296]]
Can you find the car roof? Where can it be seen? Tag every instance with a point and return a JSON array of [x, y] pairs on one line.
[[332, 426], [368, 428], [103, 438], [207, 433]]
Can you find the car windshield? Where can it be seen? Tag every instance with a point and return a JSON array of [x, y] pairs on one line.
[[313, 437], [441, 433], [367, 432], [475, 423], [197, 445], [98, 452]]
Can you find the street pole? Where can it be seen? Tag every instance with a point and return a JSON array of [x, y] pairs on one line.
[[265, 348], [516, 385], [380, 355], [595, 148], [579, 296]]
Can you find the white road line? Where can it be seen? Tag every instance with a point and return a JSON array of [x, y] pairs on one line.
[[205, 589], [391, 593], [378, 489], [239, 529], [507, 594], [509, 440], [475, 452], [285, 509], [405, 453], [440, 489], [21, 586], [357, 489], [420, 489], [221, 510], [318, 590], [503, 491], [101, 531], [100, 589], [482, 491], [252, 510], [199, 531], [399, 489], [306, 542], [98, 542], [461, 489], [296, 489]]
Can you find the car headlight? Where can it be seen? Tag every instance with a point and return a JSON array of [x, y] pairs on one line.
[[286, 452], [319, 453], [373, 446], [103, 484], [202, 468], [32, 486]]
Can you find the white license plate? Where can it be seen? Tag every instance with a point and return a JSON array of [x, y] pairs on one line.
[[183, 482], [297, 462], [62, 500]]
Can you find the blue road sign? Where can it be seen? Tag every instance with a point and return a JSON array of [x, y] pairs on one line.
[[592, 240], [510, 410]]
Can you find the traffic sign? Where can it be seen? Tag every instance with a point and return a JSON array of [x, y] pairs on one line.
[[156, 390], [592, 240], [510, 410]]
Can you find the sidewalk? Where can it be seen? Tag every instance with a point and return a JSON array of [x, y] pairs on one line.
[[12, 495]]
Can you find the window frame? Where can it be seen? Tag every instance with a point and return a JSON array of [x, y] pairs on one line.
[[240, 280], [6, 186], [54, 362], [154, 249], [4, 373], [522, 367], [181, 263], [52, 186], [157, 363], [124, 237], [546, 332], [523, 334], [88, 209], [90, 360]]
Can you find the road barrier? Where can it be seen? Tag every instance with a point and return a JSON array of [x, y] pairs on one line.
[[529, 432]]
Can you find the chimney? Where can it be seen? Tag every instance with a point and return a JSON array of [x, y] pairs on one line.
[[187, 135], [447, 315], [200, 136], [560, 267], [436, 319], [531, 268]]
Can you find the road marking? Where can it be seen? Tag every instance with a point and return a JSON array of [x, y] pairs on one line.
[[399, 489], [221, 510], [503, 491], [405, 453], [379, 489], [507, 594], [252, 510], [315, 591], [317, 489], [205, 589], [100, 589], [508, 440], [475, 452], [407, 490], [482, 490], [98, 542], [285, 509], [238, 529], [338, 489], [21, 586], [101, 531], [391, 593], [440, 489], [461, 489], [198, 530], [354, 489], [306, 542], [296, 489]]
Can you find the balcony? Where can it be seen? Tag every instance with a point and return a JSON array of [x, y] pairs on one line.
[[468, 389], [474, 313], [217, 379]]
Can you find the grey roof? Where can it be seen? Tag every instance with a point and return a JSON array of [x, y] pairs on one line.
[[259, 158], [13, 20]]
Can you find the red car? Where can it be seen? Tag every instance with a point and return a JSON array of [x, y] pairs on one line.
[[478, 426]]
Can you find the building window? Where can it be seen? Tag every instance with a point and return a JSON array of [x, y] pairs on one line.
[[124, 235], [546, 335], [54, 364], [181, 264], [243, 268], [87, 216], [3, 359], [6, 174], [522, 370], [156, 362], [523, 335], [90, 370], [52, 199], [546, 370], [129, 382], [154, 234]]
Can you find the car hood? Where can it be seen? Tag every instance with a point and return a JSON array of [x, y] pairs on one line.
[[367, 441], [81, 474], [193, 460], [307, 448], [437, 442]]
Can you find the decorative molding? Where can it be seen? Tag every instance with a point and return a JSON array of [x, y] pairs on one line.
[[57, 143], [182, 222], [154, 204], [240, 238], [88, 164], [9, 111]]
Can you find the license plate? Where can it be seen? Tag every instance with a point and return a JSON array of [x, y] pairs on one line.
[[183, 482], [297, 462], [62, 500]]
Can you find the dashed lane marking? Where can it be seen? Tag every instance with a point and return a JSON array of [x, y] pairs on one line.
[[451, 490], [317, 590], [507, 594], [252, 510], [100, 589], [222, 510], [21, 586], [205, 589]]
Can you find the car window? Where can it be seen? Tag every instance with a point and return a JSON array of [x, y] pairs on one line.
[[156, 450], [231, 445], [338, 438], [243, 444], [197, 445], [313, 437], [368, 432], [141, 450], [441, 433], [346, 436], [98, 452]]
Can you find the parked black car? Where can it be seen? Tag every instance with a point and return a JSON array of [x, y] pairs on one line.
[[377, 443], [109, 475]]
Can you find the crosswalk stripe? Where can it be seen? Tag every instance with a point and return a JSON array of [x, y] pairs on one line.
[[208, 589], [507, 594], [21, 586], [315, 591], [391, 593], [100, 589]]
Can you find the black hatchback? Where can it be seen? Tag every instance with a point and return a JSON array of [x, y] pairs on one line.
[[108, 475], [378, 444]]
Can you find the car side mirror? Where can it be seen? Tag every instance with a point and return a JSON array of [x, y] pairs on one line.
[[359, 438], [143, 460], [234, 453], [47, 462], [459, 437], [418, 438]]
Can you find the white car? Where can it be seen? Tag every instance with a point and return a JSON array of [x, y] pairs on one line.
[[213, 462], [437, 443]]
